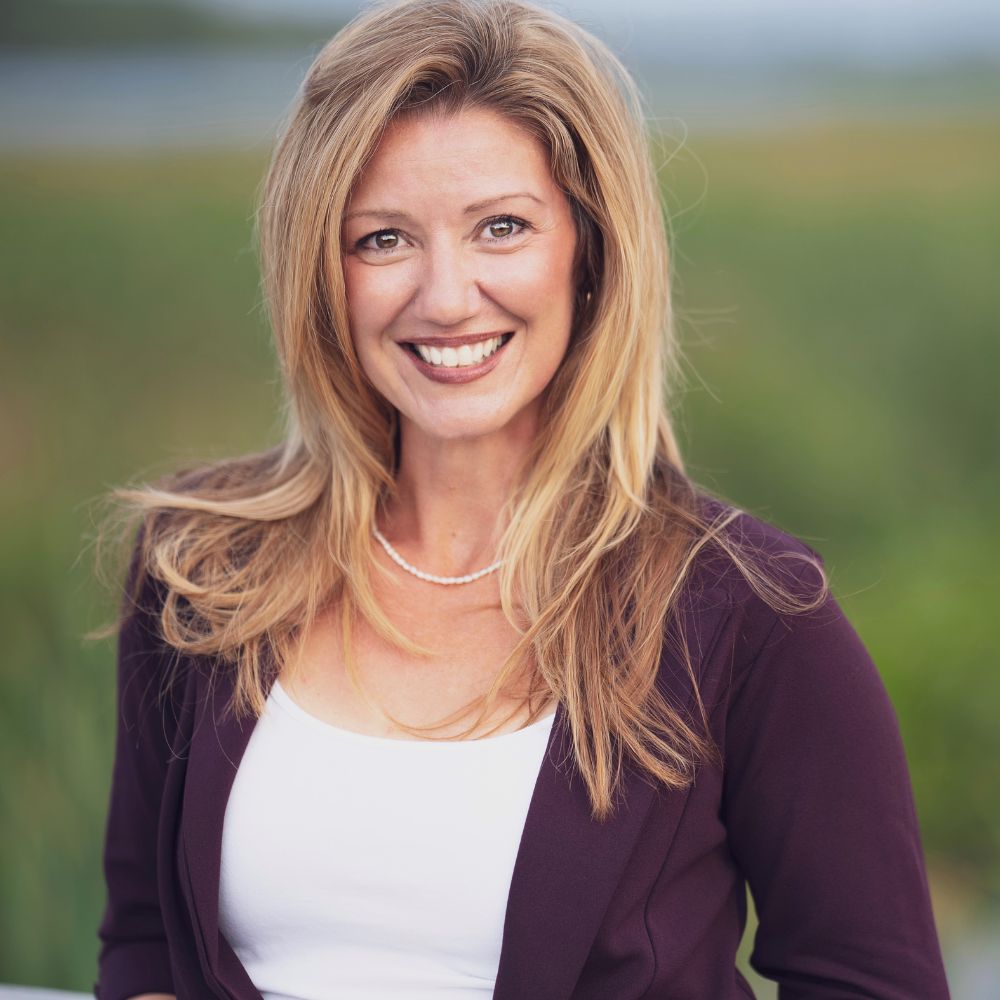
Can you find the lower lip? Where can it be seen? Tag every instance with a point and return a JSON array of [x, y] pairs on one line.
[[456, 376]]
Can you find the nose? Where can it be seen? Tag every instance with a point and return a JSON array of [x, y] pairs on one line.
[[448, 289]]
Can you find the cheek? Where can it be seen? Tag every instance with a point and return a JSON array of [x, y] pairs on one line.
[[537, 285], [556, 291], [357, 299], [373, 298]]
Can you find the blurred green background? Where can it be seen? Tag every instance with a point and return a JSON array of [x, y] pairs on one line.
[[836, 292]]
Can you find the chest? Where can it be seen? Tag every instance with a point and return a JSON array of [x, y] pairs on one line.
[[372, 867], [467, 638], [578, 890]]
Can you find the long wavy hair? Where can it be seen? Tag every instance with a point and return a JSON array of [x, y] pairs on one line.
[[601, 532]]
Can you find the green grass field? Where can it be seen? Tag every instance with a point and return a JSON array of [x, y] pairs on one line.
[[837, 297]]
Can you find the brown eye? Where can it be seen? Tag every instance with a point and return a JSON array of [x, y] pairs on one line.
[[503, 227], [386, 241]]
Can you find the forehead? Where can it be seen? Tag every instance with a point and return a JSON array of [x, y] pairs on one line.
[[462, 154]]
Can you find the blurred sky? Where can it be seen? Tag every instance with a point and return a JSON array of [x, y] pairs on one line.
[[704, 65], [864, 29]]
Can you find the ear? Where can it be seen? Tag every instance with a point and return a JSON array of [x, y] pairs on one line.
[[586, 264], [587, 257]]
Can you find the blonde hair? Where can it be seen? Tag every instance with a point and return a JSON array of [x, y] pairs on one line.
[[603, 527]]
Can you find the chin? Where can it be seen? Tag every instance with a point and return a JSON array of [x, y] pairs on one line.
[[462, 426], [464, 430]]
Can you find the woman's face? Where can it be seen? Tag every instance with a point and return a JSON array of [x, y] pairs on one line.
[[458, 261]]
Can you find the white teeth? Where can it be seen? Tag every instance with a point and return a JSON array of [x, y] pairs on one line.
[[462, 357]]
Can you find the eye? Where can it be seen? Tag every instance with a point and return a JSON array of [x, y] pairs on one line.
[[383, 240], [503, 227]]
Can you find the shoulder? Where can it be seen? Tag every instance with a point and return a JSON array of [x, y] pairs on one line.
[[751, 589], [771, 631], [143, 593], [751, 563], [149, 671], [199, 526]]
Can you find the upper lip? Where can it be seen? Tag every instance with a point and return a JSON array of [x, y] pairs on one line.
[[467, 338]]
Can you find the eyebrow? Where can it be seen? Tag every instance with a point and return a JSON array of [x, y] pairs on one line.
[[477, 206]]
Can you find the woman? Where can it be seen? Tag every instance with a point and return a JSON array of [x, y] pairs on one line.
[[465, 688]]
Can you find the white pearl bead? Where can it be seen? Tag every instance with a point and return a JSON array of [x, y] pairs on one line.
[[430, 577]]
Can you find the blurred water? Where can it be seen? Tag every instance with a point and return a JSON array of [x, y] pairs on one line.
[[204, 97], [146, 99]]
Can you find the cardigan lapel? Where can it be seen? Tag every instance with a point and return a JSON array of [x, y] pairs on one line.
[[217, 748], [568, 866], [566, 870]]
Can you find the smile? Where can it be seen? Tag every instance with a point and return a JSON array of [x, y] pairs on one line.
[[458, 362], [460, 357]]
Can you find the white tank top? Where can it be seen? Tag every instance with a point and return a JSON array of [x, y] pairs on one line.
[[356, 867]]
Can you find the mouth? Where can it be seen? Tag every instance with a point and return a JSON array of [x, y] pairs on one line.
[[446, 354]]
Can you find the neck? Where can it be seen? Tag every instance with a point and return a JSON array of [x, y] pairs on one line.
[[445, 518]]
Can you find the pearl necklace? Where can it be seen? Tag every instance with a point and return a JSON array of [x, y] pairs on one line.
[[430, 577]]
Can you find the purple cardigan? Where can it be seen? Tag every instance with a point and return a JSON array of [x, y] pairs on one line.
[[812, 809]]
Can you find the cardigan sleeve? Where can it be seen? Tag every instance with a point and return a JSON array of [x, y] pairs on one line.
[[821, 820], [134, 956]]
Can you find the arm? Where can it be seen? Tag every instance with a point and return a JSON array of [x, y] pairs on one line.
[[134, 957], [821, 820]]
